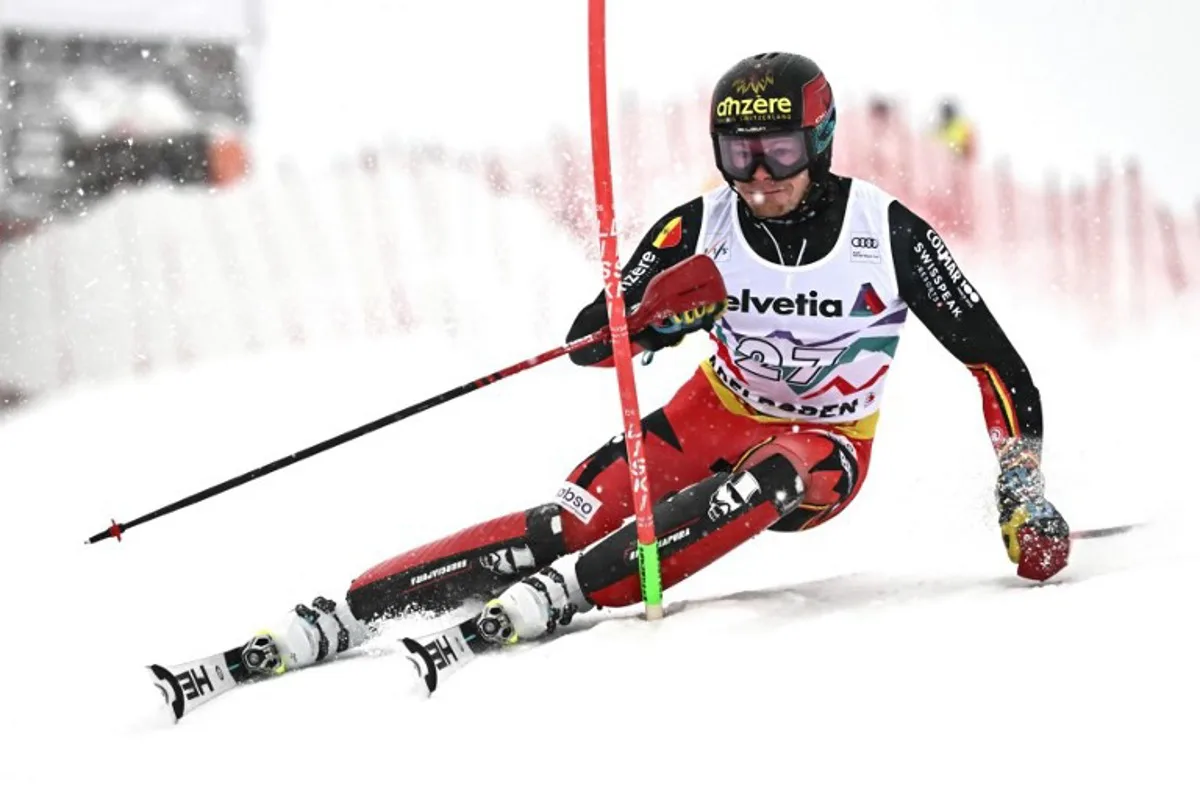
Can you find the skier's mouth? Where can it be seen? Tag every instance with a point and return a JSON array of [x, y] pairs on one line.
[[758, 196]]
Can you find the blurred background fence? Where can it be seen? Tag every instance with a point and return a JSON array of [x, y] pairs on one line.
[[163, 272]]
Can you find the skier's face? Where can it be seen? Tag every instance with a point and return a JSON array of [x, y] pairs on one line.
[[767, 197]]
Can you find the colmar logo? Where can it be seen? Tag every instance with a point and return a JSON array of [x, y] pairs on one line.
[[967, 293], [944, 282], [578, 502]]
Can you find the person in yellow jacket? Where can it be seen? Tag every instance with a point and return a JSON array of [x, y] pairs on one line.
[[956, 131]]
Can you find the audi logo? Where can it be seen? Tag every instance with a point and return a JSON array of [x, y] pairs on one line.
[[865, 241]]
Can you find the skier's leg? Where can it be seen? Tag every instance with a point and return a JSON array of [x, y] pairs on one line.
[[835, 466], [684, 442], [805, 477], [471, 564], [692, 437]]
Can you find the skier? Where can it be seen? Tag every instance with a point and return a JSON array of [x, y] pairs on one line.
[[773, 430]]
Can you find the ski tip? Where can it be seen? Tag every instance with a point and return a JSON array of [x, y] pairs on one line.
[[420, 659], [172, 692]]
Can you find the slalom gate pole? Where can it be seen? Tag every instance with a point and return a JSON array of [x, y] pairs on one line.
[[647, 547]]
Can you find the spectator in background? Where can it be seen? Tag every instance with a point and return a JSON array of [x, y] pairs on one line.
[[10, 397], [955, 130], [881, 109]]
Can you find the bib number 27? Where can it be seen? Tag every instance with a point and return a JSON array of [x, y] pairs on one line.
[[764, 359]]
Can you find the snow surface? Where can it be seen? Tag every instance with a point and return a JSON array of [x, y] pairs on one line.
[[893, 650]]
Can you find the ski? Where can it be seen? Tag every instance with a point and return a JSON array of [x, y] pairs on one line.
[[442, 653], [189, 685], [434, 656], [1099, 533]]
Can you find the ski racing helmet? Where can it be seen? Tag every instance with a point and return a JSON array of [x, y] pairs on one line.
[[773, 109]]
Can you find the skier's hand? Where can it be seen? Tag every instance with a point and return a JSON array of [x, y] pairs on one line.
[[670, 331], [693, 319], [1035, 534]]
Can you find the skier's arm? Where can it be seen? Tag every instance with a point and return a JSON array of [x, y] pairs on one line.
[[934, 287], [1035, 534], [676, 240]]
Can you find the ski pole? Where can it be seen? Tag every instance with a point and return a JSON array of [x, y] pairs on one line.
[[1100, 533], [690, 284]]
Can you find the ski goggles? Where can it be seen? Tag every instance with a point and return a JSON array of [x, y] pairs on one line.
[[781, 154]]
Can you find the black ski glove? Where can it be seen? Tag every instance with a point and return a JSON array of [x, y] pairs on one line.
[[671, 331], [1035, 535]]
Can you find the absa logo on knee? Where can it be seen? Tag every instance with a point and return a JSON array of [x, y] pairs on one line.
[[578, 501]]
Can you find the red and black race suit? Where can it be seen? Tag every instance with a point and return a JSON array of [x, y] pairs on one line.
[[704, 432]]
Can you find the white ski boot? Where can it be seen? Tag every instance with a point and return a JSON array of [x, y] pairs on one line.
[[305, 636], [535, 606]]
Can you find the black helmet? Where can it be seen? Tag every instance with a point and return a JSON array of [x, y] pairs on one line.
[[776, 92]]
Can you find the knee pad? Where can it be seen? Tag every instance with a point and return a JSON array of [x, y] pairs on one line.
[[778, 479], [826, 463]]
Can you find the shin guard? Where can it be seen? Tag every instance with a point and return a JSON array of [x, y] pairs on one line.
[[694, 527], [471, 565]]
